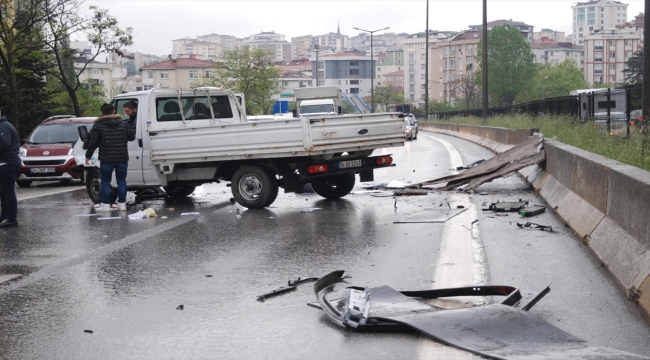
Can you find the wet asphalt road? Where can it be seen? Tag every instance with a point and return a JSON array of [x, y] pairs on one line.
[[123, 279]]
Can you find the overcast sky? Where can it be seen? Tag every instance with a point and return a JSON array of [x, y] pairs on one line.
[[155, 23]]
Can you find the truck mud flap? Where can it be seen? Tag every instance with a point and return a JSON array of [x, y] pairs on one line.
[[497, 331]]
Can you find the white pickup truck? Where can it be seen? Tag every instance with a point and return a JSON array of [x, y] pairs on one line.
[[185, 138]]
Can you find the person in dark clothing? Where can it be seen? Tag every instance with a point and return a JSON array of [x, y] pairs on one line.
[[112, 135], [9, 166]]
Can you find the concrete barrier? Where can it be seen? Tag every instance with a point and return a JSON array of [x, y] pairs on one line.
[[602, 200]]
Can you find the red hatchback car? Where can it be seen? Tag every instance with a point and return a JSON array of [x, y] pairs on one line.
[[46, 155]]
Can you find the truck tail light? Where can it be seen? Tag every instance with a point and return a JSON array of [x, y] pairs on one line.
[[317, 169], [384, 160]]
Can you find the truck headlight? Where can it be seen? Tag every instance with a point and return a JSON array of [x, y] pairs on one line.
[[22, 152]]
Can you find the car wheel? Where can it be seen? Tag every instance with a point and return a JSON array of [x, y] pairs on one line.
[[179, 190], [334, 187], [24, 183], [94, 186], [254, 187]]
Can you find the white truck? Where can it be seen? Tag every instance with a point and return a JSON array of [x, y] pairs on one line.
[[185, 138], [318, 101]]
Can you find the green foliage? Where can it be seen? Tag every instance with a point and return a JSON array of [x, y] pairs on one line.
[[511, 64], [346, 108], [248, 72], [90, 97], [440, 106], [634, 69], [385, 95], [556, 80], [130, 67]]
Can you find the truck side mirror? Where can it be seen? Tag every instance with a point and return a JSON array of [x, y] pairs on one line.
[[294, 112], [83, 133], [340, 110]]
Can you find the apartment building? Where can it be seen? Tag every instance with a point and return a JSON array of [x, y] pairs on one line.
[[548, 51], [525, 29], [350, 71], [605, 54], [588, 17], [334, 41], [387, 64], [177, 73], [303, 44], [274, 44], [549, 34], [451, 61], [98, 72], [394, 79], [635, 26], [204, 50], [415, 64], [382, 42]]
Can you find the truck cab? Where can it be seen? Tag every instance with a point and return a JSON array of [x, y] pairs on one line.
[[318, 101]]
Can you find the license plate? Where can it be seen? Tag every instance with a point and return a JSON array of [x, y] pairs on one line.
[[41, 170], [349, 164]]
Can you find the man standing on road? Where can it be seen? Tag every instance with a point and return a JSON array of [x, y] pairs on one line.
[[9, 166], [112, 135]]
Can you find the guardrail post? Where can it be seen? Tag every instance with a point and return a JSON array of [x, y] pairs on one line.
[[609, 122], [628, 105]]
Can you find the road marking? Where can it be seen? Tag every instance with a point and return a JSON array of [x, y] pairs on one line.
[[22, 197], [5, 278], [460, 263]]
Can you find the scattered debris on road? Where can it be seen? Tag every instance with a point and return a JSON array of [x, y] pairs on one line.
[[507, 206], [280, 290], [470, 165], [88, 331], [527, 153], [407, 192], [502, 330], [142, 214], [532, 210], [533, 226]]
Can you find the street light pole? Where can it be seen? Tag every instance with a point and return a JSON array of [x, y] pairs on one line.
[[485, 64], [426, 68], [372, 71]]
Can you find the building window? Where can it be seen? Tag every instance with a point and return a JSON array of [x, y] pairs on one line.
[[452, 76], [452, 51], [208, 74], [628, 54], [411, 48], [598, 79], [354, 82], [444, 79], [378, 69], [411, 67], [164, 74], [423, 56], [147, 74], [423, 66], [444, 51], [598, 56], [354, 63], [444, 66], [321, 65], [598, 68], [354, 90], [412, 87], [411, 97], [612, 43], [628, 42], [422, 76], [411, 57], [321, 74], [598, 45], [452, 64], [148, 87], [612, 79], [423, 46], [194, 74], [612, 67], [612, 55], [354, 71], [411, 77], [470, 49]]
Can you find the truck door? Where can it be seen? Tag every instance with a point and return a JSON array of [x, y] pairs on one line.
[[134, 175]]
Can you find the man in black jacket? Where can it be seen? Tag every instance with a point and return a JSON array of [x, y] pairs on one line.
[[9, 166], [112, 135]]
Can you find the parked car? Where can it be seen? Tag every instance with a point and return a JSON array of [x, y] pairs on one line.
[[636, 118], [414, 123], [46, 154], [409, 131]]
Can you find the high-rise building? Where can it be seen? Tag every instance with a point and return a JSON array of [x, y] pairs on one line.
[[596, 15], [606, 53], [303, 43], [277, 48], [350, 71]]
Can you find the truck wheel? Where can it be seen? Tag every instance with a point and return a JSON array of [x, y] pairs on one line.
[[334, 187], [94, 186], [179, 190], [24, 183], [254, 187]]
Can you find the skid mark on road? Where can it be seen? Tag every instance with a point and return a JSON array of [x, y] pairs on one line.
[[460, 263], [51, 270]]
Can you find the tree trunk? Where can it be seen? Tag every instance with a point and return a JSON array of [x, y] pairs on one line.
[[13, 92]]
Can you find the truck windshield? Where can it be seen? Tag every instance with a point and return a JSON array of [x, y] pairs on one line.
[[56, 133], [194, 108], [313, 109]]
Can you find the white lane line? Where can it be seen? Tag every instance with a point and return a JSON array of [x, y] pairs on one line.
[[22, 197], [458, 263]]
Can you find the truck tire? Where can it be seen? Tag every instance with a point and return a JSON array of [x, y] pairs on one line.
[[254, 187], [334, 187], [24, 183], [179, 190], [94, 186]]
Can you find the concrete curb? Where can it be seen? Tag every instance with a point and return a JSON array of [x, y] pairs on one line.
[[603, 201]]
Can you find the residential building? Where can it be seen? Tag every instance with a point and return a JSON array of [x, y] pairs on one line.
[[525, 29], [550, 34], [127, 83], [415, 64], [204, 50], [275, 45], [139, 59], [383, 41], [450, 62], [289, 80], [605, 55], [394, 79], [588, 17], [635, 26], [303, 44], [334, 40], [98, 72], [296, 65], [548, 51], [350, 71], [388, 63], [177, 73], [84, 48]]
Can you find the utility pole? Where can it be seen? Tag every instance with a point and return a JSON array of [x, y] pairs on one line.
[[426, 69], [485, 63], [645, 109], [372, 71]]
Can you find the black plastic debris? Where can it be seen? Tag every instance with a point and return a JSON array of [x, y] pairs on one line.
[[507, 206], [533, 226], [532, 210], [88, 331], [180, 307], [302, 281], [470, 165], [502, 330]]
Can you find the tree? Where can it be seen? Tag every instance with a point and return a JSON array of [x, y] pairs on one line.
[[557, 80], [90, 97], [130, 67], [511, 64], [19, 36], [102, 30], [385, 95], [634, 69], [248, 72], [464, 89]]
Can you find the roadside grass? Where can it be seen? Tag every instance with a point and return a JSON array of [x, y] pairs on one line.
[[633, 150]]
